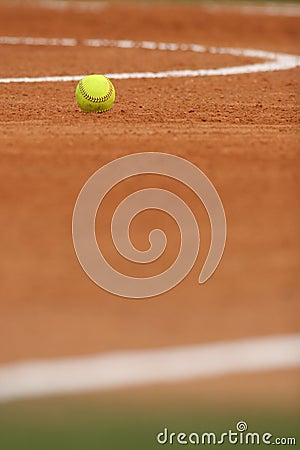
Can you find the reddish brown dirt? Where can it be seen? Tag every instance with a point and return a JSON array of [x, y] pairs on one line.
[[242, 131]]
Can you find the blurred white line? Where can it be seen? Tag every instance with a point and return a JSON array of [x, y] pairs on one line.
[[125, 369], [266, 9], [39, 41], [75, 5], [147, 45], [62, 5]]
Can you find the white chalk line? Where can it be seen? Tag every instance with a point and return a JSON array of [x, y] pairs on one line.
[[38, 41], [274, 61], [132, 368], [63, 5], [267, 9]]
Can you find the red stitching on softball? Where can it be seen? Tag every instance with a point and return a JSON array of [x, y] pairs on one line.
[[95, 99]]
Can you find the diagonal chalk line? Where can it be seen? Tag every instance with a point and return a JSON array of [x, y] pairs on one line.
[[272, 61], [123, 369]]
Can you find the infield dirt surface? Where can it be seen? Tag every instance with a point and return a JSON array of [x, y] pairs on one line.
[[242, 131]]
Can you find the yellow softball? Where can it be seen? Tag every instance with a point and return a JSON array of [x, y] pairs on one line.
[[95, 93]]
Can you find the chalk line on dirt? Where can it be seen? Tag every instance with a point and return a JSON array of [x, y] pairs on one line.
[[273, 61], [265, 9], [63, 5], [269, 8], [38, 41], [123, 369], [81, 6]]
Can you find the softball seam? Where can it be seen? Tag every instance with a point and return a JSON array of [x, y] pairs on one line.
[[95, 99]]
